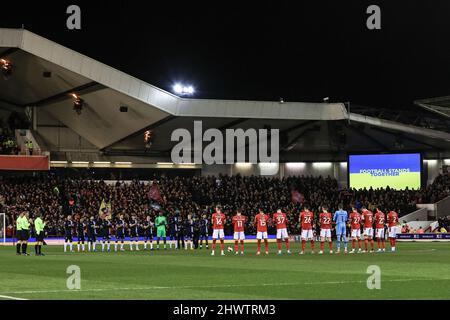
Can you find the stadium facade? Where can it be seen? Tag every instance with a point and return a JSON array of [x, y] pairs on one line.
[[315, 138]]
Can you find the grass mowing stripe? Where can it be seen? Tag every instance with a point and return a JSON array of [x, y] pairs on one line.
[[415, 271], [216, 286], [11, 298]]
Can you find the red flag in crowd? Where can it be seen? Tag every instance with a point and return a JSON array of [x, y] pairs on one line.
[[297, 197], [154, 192]]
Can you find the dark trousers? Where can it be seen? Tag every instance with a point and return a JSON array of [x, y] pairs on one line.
[[204, 237], [180, 240], [195, 239]]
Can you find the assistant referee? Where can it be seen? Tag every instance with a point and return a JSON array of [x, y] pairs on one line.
[[25, 233], [39, 226], [19, 233]]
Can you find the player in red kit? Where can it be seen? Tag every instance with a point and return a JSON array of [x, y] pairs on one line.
[[379, 226], [325, 220], [280, 219], [355, 225], [261, 220], [239, 231], [367, 217], [306, 220], [392, 220], [218, 221]]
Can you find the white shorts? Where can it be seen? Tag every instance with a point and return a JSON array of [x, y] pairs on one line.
[[368, 232], [392, 232], [307, 234], [218, 234], [282, 233], [325, 233], [261, 235], [239, 235], [380, 233], [356, 233]]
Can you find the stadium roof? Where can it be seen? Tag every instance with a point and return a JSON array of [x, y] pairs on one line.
[[439, 105], [318, 127]]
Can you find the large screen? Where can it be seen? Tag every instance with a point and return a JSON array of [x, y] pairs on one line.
[[398, 171]]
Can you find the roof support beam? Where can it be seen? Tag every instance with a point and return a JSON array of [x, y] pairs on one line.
[[141, 131], [222, 128], [283, 132], [392, 125], [409, 138], [8, 52], [369, 137], [291, 144], [83, 89], [10, 103], [298, 126], [233, 124], [432, 108], [10, 106]]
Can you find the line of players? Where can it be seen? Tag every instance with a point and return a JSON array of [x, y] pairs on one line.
[[182, 232], [364, 220]]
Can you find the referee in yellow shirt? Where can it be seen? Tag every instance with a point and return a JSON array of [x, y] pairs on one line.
[[19, 233], [25, 233], [39, 226]]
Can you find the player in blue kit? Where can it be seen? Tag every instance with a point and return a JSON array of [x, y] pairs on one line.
[[340, 218]]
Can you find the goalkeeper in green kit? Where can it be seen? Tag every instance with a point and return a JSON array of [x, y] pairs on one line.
[[160, 223]]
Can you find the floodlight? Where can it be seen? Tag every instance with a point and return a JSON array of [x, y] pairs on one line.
[[178, 88]]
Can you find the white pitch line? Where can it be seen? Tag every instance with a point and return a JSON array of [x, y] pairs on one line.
[[212, 286], [11, 298]]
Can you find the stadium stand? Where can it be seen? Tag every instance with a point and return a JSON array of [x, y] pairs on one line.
[[101, 136], [310, 131], [8, 144], [57, 196]]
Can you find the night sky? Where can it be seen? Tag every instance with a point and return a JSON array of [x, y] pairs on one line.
[[299, 50]]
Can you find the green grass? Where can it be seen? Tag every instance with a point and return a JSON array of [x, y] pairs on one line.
[[415, 271]]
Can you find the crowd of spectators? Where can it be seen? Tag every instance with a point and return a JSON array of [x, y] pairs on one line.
[[56, 197], [8, 125], [407, 229], [443, 224], [8, 143]]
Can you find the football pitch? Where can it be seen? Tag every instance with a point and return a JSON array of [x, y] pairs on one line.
[[415, 271]]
